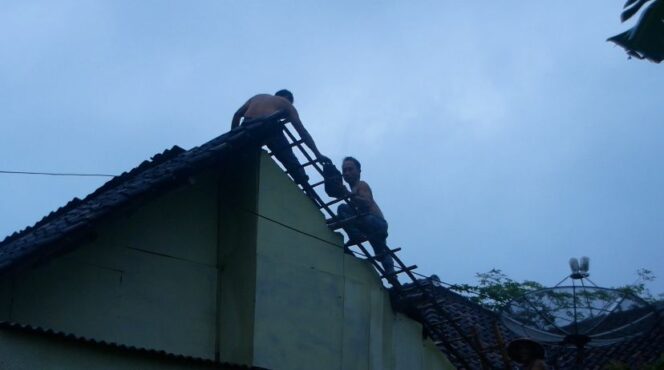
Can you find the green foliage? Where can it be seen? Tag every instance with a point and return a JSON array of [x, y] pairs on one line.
[[495, 289], [639, 288], [657, 365], [645, 40]]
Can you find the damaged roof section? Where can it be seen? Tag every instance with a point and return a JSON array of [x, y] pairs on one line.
[[492, 336], [487, 332]]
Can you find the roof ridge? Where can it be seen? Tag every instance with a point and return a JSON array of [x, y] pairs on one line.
[[154, 161]]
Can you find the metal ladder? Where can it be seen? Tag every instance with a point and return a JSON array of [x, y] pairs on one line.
[[437, 329]]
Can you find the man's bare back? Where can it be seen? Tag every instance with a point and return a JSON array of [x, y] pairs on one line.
[[264, 105]]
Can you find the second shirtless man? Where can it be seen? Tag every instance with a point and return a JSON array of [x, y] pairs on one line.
[[370, 224]]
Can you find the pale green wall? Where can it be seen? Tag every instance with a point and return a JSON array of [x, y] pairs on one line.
[[317, 307], [237, 260], [149, 280], [197, 272]]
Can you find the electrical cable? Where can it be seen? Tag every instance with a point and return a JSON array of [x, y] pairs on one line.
[[56, 174], [247, 210], [322, 240]]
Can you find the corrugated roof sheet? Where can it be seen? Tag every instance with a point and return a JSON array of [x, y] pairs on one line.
[[140, 350]]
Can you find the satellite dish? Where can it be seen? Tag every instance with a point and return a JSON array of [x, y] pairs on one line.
[[579, 315]]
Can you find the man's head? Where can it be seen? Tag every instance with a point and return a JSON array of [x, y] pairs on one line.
[[285, 94], [351, 169]]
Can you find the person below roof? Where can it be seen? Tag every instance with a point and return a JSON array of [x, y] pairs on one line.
[[367, 221], [528, 353], [261, 107]]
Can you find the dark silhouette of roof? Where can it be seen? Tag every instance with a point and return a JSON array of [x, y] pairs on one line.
[[73, 222]]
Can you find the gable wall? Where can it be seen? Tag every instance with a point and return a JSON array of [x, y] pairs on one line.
[[197, 272], [237, 260], [148, 280], [317, 307]]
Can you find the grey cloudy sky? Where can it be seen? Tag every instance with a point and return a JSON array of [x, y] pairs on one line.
[[494, 134]]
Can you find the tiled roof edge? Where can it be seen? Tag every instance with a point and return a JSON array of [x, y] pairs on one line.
[[156, 160], [150, 177], [448, 293]]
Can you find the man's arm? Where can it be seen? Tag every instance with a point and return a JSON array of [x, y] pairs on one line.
[[239, 114], [304, 134]]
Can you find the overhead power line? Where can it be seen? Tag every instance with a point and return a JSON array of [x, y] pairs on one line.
[[284, 225], [56, 174], [244, 209]]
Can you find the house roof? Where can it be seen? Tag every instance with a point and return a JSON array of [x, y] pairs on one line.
[[493, 336], [75, 221], [72, 222]]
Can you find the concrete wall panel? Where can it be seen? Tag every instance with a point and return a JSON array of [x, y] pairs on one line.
[[299, 313], [237, 260], [407, 351], [356, 325], [317, 307]]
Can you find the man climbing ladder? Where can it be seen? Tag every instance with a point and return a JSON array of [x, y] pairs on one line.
[[360, 216], [364, 219], [265, 107]]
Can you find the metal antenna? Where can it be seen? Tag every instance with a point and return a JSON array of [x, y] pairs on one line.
[[579, 271]]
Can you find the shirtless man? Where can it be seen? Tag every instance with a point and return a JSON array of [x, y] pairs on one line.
[[371, 224], [264, 105]]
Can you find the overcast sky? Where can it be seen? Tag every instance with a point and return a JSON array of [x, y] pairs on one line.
[[502, 135]]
